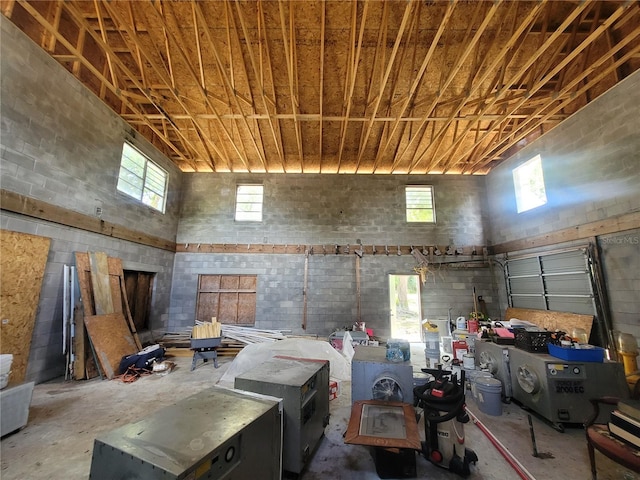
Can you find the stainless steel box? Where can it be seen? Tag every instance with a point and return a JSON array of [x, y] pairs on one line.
[[559, 390], [217, 433], [303, 385]]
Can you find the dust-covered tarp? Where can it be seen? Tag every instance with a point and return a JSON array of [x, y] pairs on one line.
[[256, 353]]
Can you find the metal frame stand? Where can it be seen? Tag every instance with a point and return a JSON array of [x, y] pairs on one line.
[[204, 354]]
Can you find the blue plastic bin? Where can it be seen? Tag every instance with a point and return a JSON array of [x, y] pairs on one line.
[[592, 354]]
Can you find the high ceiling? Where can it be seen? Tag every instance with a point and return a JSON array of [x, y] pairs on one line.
[[366, 86]]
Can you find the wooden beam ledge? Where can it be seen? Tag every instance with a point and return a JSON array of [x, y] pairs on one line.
[[31, 207]]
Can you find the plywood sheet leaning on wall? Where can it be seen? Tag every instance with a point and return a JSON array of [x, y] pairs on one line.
[[111, 340], [23, 258], [551, 320], [84, 366], [118, 303], [100, 281]]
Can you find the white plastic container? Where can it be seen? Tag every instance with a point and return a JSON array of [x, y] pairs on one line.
[[6, 359]]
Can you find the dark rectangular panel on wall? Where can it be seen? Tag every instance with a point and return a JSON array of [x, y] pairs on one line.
[[229, 298]]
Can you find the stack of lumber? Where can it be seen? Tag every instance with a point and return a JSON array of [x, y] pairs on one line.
[[248, 335], [234, 338], [211, 329]]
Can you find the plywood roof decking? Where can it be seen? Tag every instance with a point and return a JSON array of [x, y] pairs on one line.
[[366, 86]]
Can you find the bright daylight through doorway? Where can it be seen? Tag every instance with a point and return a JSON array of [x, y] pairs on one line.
[[405, 308]]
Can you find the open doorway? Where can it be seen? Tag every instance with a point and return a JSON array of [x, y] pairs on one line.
[[139, 287], [405, 307]]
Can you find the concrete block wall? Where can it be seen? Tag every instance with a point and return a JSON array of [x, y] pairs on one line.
[[60, 144], [46, 360], [621, 262], [329, 209], [332, 289], [591, 166], [316, 209]]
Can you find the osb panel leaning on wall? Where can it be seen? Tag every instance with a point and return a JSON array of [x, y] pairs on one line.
[[23, 258]]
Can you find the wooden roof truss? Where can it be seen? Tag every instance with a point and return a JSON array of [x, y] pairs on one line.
[[364, 86]]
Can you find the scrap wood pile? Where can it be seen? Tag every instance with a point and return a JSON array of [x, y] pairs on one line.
[[234, 337], [103, 330]]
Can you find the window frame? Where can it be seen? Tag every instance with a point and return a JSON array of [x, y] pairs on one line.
[[145, 179], [431, 209], [238, 202], [526, 197]]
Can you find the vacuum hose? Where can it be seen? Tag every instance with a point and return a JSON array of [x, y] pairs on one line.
[[451, 402]]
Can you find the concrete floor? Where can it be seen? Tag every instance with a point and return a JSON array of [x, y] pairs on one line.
[[66, 416]]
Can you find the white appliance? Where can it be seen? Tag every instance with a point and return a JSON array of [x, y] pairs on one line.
[[495, 359], [559, 390], [373, 377]]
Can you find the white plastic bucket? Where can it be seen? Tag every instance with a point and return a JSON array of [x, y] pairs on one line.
[[432, 342], [6, 359], [489, 395], [468, 361]]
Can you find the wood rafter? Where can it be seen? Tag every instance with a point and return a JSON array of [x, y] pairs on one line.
[[460, 60], [352, 71], [521, 72], [418, 79], [339, 87], [501, 57], [178, 42], [383, 80], [567, 94], [568, 58], [158, 70], [60, 38]]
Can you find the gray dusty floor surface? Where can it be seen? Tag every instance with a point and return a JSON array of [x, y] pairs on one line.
[[65, 417]]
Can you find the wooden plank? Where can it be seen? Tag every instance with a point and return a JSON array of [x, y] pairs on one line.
[[178, 352], [23, 258], [79, 343], [115, 275], [127, 314], [84, 366], [629, 221], [83, 271], [327, 249], [552, 320], [31, 207], [101, 283], [111, 339]]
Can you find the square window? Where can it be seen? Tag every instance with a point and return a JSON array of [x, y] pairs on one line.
[[528, 181], [142, 179], [419, 204], [249, 203]]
